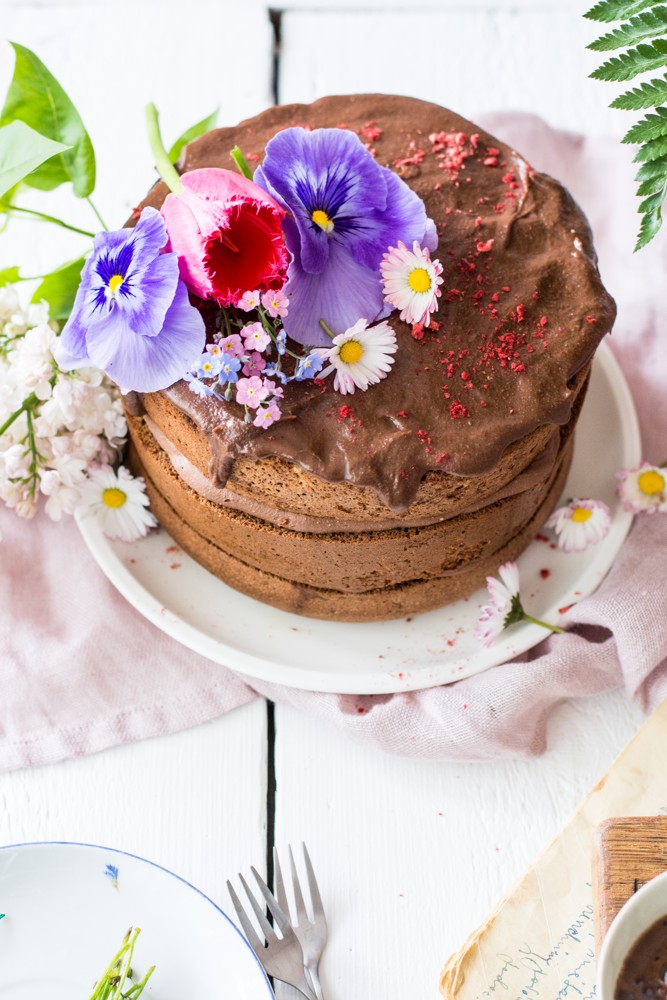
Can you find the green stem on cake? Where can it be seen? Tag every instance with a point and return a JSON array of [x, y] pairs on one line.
[[536, 621], [97, 215], [47, 218], [327, 329], [240, 161], [164, 166]]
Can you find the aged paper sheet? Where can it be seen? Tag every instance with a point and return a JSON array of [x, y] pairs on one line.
[[539, 943]]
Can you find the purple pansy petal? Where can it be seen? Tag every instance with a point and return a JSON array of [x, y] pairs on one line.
[[150, 232], [150, 292], [148, 364], [327, 170], [318, 296], [404, 219], [70, 350]]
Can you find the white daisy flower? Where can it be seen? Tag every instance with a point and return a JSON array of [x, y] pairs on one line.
[[643, 490], [360, 357], [118, 501], [411, 279], [505, 608], [580, 523]]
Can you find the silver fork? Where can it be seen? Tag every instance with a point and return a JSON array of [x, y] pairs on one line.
[[311, 932], [281, 957]]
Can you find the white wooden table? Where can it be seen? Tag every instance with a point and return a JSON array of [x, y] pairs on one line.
[[410, 855]]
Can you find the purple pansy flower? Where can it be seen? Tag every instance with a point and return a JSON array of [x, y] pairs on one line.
[[132, 316], [344, 211]]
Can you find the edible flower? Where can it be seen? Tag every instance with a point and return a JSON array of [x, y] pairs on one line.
[[580, 523], [227, 234], [132, 317], [344, 210], [505, 608], [643, 490], [361, 356], [410, 280], [118, 502]]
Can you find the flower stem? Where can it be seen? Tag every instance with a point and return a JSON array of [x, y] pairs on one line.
[[48, 218], [327, 329], [165, 167], [27, 404], [97, 215], [240, 161], [536, 621]]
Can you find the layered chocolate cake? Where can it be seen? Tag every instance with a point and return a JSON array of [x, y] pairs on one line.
[[381, 503]]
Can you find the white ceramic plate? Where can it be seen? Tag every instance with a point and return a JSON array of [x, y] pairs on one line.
[[68, 906], [193, 606]]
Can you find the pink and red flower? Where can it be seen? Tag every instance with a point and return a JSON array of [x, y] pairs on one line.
[[227, 233]]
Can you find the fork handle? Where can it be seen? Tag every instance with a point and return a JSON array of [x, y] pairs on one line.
[[302, 986], [314, 976]]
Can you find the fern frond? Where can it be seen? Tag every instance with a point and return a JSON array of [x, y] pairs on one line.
[[647, 171], [651, 150], [652, 186], [650, 127], [650, 226], [648, 95], [645, 57], [616, 10], [646, 25]]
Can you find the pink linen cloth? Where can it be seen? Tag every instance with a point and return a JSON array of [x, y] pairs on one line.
[[81, 670]]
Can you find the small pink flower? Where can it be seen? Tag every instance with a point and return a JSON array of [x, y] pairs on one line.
[[249, 301], [255, 337], [214, 349], [275, 303], [232, 345], [255, 364], [274, 389], [251, 391], [267, 415]]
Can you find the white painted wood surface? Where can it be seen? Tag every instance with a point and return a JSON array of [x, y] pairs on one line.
[[410, 855]]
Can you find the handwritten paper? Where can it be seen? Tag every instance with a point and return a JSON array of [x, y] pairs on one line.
[[539, 944]]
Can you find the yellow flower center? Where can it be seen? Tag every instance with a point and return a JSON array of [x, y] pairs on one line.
[[651, 482], [419, 280], [113, 497], [115, 281], [351, 352], [581, 514], [322, 220]]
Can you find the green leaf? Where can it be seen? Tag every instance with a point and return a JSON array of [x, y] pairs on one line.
[[36, 98], [658, 168], [651, 150], [648, 95], [646, 25], [9, 276], [205, 125], [650, 225], [23, 150], [652, 204], [641, 59], [650, 127], [652, 185], [617, 10], [59, 288]]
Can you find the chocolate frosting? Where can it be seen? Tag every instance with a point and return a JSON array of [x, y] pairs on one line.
[[521, 313]]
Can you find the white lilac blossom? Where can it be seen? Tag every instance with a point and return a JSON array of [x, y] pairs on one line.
[[410, 280], [505, 607], [118, 502], [643, 490], [580, 523], [53, 424], [361, 356]]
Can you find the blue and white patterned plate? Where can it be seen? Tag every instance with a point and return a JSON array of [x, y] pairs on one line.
[[67, 907]]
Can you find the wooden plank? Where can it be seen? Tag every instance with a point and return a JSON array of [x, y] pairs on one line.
[[473, 59], [412, 854], [627, 852], [194, 802]]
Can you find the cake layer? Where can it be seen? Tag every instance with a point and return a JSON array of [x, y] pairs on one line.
[[277, 490], [376, 604]]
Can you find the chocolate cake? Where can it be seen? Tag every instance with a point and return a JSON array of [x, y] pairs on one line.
[[404, 497]]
